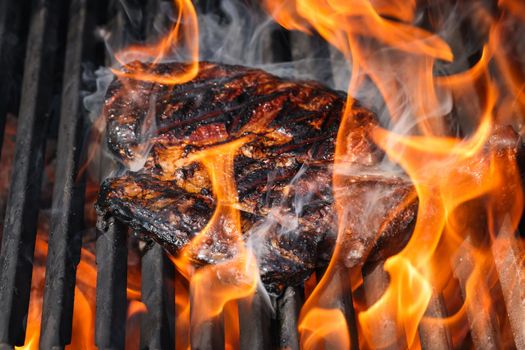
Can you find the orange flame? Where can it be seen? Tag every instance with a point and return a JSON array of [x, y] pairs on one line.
[[235, 275], [182, 310], [84, 304], [372, 43], [469, 190], [324, 327], [183, 36]]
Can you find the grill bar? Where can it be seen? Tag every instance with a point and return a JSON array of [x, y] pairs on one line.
[[151, 11], [207, 335], [158, 272], [483, 329], [112, 265], [111, 245], [313, 54], [347, 305], [65, 238], [375, 282], [18, 242], [288, 308], [433, 335], [12, 27], [254, 323], [510, 265], [158, 275]]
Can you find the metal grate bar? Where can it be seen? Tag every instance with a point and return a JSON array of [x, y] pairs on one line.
[[312, 54], [65, 237], [483, 330], [158, 272], [112, 266], [432, 336], [158, 275], [111, 245], [151, 11], [18, 242], [209, 335], [12, 24], [288, 308], [254, 323], [510, 265], [375, 282], [435, 336], [347, 305]]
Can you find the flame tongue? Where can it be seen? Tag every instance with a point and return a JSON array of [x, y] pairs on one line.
[[469, 190], [481, 166], [183, 35], [235, 273], [221, 239]]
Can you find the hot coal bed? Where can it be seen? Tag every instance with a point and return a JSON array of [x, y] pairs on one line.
[[47, 48]]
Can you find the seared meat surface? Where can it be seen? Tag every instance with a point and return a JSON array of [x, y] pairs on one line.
[[283, 174]]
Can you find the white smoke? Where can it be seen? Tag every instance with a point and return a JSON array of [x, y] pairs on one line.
[[94, 101]]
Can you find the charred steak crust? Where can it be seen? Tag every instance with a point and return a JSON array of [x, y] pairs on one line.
[[283, 175]]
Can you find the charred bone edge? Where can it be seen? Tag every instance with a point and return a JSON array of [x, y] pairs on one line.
[[508, 259], [111, 301], [288, 308], [375, 282], [255, 319], [18, 241], [158, 276], [68, 194], [483, 331], [433, 336]]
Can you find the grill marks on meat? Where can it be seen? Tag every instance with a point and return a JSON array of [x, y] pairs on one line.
[[283, 175], [157, 206], [377, 209], [223, 102]]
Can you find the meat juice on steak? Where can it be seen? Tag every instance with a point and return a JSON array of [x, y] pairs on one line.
[[283, 175]]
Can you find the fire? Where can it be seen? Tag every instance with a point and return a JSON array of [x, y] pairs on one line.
[[471, 175], [469, 189], [183, 36], [182, 310], [84, 305], [470, 197], [324, 327], [235, 275], [215, 287]]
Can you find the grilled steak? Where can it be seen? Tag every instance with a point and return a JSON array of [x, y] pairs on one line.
[[283, 174]]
